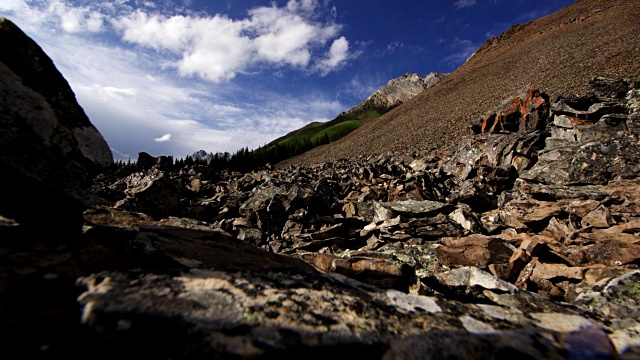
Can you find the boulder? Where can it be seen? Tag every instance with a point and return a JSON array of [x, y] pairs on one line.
[[594, 139], [49, 150], [526, 112], [145, 161], [154, 193]]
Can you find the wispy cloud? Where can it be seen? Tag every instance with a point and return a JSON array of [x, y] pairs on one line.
[[460, 4], [362, 86], [463, 49], [12, 5], [393, 46]]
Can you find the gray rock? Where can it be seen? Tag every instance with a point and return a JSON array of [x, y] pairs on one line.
[[396, 91], [413, 208], [154, 194], [617, 299]]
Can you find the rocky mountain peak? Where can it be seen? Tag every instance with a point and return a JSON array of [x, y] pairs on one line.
[[202, 155], [397, 91]]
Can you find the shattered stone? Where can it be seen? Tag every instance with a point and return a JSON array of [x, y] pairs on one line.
[[465, 218], [474, 250], [378, 272], [412, 208], [617, 300], [599, 217]]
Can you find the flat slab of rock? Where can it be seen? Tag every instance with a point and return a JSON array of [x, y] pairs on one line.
[[415, 208], [249, 314]]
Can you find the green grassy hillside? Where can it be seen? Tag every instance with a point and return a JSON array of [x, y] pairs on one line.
[[300, 141], [318, 133], [335, 129]]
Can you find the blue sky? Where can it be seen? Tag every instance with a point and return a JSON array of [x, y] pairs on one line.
[[172, 77]]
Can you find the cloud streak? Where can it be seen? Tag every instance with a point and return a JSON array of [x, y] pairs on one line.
[[463, 49], [461, 4]]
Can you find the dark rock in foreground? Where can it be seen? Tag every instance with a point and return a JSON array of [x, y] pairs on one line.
[[49, 150]]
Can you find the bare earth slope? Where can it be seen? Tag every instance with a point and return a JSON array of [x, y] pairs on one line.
[[557, 54]]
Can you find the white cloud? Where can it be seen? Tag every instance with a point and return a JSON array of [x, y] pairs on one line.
[[155, 31], [337, 55], [163, 138], [285, 40], [464, 3], [217, 51], [217, 48], [76, 19], [302, 5]]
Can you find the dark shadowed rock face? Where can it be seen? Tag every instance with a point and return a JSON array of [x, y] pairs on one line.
[[48, 147]]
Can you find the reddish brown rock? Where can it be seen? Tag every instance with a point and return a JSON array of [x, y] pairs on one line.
[[600, 218], [378, 272], [526, 114], [474, 250]]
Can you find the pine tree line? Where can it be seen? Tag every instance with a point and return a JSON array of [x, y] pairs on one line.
[[244, 160]]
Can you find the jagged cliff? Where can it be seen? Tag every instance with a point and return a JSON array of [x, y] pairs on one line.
[[395, 92]]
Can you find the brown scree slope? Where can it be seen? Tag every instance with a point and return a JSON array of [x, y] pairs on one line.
[[557, 54]]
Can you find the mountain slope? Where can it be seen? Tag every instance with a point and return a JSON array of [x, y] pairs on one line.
[[395, 92], [557, 54], [392, 94]]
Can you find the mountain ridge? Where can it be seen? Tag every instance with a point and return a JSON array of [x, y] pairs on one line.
[[385, 98], [396, 91]]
